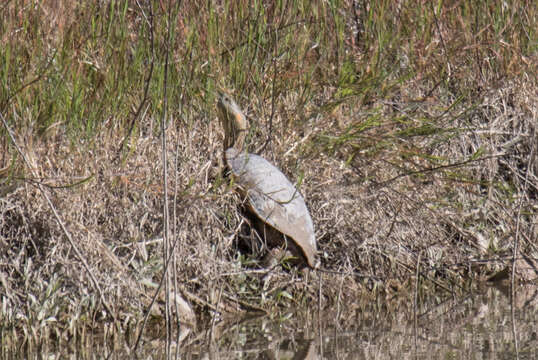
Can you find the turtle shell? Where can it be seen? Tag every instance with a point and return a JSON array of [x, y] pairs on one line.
[[274, 199]]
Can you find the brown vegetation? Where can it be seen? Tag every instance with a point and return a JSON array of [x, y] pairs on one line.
[[411, 130]]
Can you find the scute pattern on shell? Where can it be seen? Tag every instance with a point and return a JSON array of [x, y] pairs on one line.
[[274, 199]]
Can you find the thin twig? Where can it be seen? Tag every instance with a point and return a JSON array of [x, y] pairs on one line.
[[440, 167], [78, 253], [515, 250], [273, 95], [167, 253], [415, 302], [149, 20], [31, 82], [447, 55], [144, 322]]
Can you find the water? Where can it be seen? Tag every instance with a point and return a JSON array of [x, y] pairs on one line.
[[478, 326]]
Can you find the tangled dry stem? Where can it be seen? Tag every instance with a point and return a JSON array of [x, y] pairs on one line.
[[423, 182], [372, 222]]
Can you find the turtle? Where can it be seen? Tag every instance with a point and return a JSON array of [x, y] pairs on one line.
[[271, 198]]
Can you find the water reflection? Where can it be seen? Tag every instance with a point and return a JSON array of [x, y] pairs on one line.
[[478, 326]]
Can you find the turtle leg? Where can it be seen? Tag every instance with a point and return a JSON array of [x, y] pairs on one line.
[[265, 239], [252, 238], [279, 247]]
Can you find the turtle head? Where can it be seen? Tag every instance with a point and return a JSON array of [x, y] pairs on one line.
[[233, 121]]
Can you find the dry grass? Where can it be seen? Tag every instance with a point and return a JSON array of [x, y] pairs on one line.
[[417, 143]]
